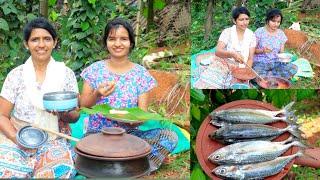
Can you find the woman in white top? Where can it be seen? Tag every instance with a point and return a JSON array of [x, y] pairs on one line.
[[237, 43], [21, 104]]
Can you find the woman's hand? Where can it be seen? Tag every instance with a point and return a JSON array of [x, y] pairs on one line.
[[67, 116], [266, 50], [105, 89], [238, 57]]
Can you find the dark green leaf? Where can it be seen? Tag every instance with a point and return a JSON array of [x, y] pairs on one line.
[[4, 25], [93, 2], [159, 4], [219, 97], [52, 2], [54, 16], [197, 95], [195, 112], [252, 94], [85, 26]]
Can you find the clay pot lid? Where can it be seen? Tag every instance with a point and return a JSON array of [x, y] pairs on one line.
[[113, 143], [205, 146]]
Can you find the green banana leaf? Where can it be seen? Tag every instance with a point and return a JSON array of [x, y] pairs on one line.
[[135, 114]]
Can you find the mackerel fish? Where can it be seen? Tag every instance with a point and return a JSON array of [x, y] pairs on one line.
[[254, 171], [252, 151], [255, 116], [244, 132]]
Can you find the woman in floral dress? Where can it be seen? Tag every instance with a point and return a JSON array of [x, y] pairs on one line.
[[120, 83], [270, 42]]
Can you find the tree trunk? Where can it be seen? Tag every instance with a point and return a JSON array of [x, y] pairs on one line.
[[44, 8], [150, 14], [138, 20], [208, 26]]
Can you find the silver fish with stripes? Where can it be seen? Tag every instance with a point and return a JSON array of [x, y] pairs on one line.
[[255, 116], [245, 132], [256, 170], [252, 151]]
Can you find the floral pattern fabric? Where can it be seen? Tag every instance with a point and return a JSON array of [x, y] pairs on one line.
[[14, 90], [273, 42], [54, 159], [268, 64], [129, 86]]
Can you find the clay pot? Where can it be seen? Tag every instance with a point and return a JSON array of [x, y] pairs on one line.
[[113, 154]]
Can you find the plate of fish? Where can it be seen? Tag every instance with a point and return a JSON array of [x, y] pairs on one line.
[[246, 138]]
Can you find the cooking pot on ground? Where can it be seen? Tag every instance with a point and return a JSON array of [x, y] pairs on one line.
[[272, 82], [112, 154]]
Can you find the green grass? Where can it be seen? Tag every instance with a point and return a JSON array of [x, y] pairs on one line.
[[305, 173], [178, 168]]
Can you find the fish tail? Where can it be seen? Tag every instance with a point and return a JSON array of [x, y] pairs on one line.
[[287, 108], [299, 144], [301, 152], [289, 140], [291, 118], [293, 129]]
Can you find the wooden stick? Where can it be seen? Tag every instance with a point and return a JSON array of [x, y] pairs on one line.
[[56, 133]]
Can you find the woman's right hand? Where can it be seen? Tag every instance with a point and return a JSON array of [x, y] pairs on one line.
[[266, 50], [105, 89], [238, 57]]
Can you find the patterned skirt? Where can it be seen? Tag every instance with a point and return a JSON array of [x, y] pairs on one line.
[[278, 69], [54, 159]]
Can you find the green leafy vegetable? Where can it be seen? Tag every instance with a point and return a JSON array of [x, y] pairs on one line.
[[134, 114]]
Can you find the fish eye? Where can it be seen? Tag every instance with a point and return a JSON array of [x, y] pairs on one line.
[[222, 170], [217, 157]]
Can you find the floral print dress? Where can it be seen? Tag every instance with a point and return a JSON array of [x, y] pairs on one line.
[[129, 86], [268, 64]]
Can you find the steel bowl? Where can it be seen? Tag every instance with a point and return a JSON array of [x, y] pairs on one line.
[[30, 137], [285, 57], [60, 101]]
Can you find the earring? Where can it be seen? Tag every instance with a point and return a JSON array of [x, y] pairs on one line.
[[27, 48]]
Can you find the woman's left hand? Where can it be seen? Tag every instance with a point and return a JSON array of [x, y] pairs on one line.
[[67, 116]]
